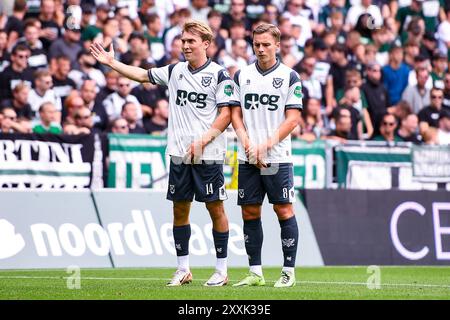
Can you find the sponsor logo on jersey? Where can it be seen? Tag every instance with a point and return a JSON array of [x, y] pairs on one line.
[[206, 81], [277, 83], [298, 92], [228, 90], [253, 100], [183, 97]]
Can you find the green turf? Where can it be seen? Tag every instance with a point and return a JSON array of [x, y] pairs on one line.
[[312, 283]]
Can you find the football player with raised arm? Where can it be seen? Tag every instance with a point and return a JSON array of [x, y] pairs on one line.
[[199, 94], [266, 107]]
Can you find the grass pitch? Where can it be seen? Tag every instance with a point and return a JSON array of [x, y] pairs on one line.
[[312, 283]]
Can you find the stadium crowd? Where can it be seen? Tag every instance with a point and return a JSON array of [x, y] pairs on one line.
[[370, 69]]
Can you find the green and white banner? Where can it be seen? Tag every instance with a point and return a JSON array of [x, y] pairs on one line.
[[431, 163], [378, 166], [139, 161], [46, 161]]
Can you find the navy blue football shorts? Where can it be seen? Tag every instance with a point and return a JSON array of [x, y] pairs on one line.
[[277, 181], [205, 181]]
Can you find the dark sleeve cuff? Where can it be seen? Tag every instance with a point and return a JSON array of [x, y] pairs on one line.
[[294, 106], [150, 76], [220, 105], [234, 103]]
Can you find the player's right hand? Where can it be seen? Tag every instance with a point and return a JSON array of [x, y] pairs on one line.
[[101, 55]]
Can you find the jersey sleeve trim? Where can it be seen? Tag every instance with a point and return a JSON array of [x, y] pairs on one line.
[[222, 76], [234, 103], [294, 78], [223, 104], [293, 106], [236, 77], [150, 76], [171, 66]]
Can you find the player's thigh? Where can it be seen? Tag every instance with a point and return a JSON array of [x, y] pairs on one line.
[[279, 183], [180, 181], [250, 188], [209, 182]]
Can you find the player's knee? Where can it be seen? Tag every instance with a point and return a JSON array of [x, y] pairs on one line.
[[283, 211], [251, 212], [181, 212], [215, 209]]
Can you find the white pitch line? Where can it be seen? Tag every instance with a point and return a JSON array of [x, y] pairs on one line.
[[418, 285]]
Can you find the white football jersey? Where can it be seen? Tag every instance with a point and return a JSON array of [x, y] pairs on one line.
[[264, 96], [194, 99]]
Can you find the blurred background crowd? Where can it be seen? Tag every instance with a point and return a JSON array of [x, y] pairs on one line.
[[370, 69]]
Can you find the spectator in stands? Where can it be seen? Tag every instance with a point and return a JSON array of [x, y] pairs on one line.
[[50, 27], [439, 63], [408, 129], [147, 95], [418, 96], [444, 127], [62, 84], [343, 131], [412, 50], [175, 31], [38, 55], [43, 91], [68, 45], [306, 69], [429, 116], [88, 93], [364, 7], [16, 72], [72, 104], [130, 114], [174, 55], [388, 128], [289, 54], [14, 24], [19, 102], [446, 101], [311, 124], [353, 97], [157, 124], [236, 14], [119, 125], [86, 70], [395, 74], [138, 52], [420, 63], [89, 33], [327, 10], [84, 121], [443, 32], [9, 122], [4, 54], [294, 13], [238, 56], [336, 79], [377, 95], [430, 137], [111, 78], [114, 102], [199, 10], [48, 120], [110, 34], [153, 35]]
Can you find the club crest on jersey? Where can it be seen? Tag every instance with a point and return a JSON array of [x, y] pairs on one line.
[[277, 83], [206, 81], [180, 77], [241, 193], [172, 189]]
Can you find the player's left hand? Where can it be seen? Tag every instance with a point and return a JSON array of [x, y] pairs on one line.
[[195, 151]]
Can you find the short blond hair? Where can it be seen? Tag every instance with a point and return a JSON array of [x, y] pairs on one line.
[[200, 29], [270, 28]]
